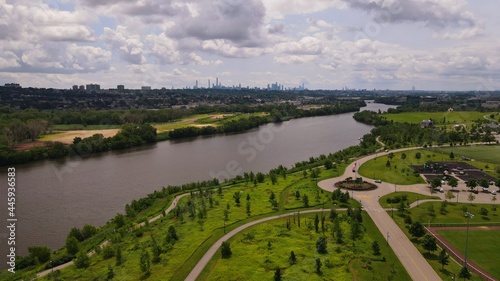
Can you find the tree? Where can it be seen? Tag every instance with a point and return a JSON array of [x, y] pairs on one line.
[[145, 262], [111, 273], [453, 182], [297, 195], [418, 155], [321, 245], [435, 183], [39, 254], [318, 265], [471, 184], [429, 243], [388, 164], [376, 248], [260, 177], [119, 220], [225, 250], [484, 183], [156, 250], [293, 258], [483, 212], [443, 258], [248, 197], [237, 196], [449, 195], [171, 235], [452, 156], [391, 155], [82, 260], [465, 273], [305, 200], [72, 245], [355, 229], [333, 214], [316, 223], [248, 208], [471, 197], [277, 274], [119, 256], [416, 229], [403, 156], [273, 177]]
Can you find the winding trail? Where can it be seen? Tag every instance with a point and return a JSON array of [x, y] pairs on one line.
[[106, 242]]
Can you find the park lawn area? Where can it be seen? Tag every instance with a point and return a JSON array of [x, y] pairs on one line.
[[483, 248], [196, 234], [74, 127], [254, 259], [412, 197], [454, 214], [449, 118], [399, 171], [484, 153]]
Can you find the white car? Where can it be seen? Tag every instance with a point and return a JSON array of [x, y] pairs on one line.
[[378, 181], [494, 192]]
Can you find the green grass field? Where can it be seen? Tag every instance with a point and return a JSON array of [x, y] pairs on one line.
[[453, 214], [73, 127], [412, 197], [400, 172], [253, 259], [449, 118], [484, 153], [483, 248]]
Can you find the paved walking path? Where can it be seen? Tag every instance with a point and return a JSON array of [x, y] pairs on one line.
[[103, 244]]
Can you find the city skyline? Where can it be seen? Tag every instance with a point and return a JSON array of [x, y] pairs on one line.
[[362, 44]]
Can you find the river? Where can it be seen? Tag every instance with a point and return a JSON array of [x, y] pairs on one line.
[[53, 196]]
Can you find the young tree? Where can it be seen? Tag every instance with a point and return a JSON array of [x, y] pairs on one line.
[[471, 184], [483, 212], [452, 156], [443, 258], [297, 195], [237, 196], [119, 220], [119, 256], [449, 195], [388, 164], [429, 243], [248, 196], [453, 182], [111, 273], [156, 250], [403, 156], [39, 254], [72, 245], [277, 274], [316, 223], [355, 230], [273, 177], [465, 273], [376, 248], [225, 250], [293, 258], [321, 245], [145, 262], [82, 260], [171, 235], [318, 265], [416, 229], [248, 208], [333, 214], [418, 155], [305, 200], [471, 197]]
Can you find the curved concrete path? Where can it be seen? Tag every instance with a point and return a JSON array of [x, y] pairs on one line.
[[198, 268]]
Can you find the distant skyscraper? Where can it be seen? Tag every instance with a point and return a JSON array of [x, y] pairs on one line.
[[75, 87], [413, 88], [217, 82], [120, 88], [209, 83], [146, 88], [81, 88], [93, 87]]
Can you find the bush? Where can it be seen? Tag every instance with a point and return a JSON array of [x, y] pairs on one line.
[[107, 252]]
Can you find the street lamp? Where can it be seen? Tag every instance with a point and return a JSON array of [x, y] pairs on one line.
[[388, 238], [417, 201], [469, 216]]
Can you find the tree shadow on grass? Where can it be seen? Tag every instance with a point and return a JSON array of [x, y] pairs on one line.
[[430, 256]]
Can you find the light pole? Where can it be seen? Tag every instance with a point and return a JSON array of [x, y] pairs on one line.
[[388, 238], [417, 201], [469, 216]]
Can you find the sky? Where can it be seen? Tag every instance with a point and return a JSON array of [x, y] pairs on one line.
[[323, 44]]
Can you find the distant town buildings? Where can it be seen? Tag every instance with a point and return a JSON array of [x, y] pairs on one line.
[[93, 87], [75, 87], [12, 85], [146, 88], [426, 123], [120, 88]]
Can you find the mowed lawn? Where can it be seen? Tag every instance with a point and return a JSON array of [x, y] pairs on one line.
[[484, 247], [449, 118], [485, 153]]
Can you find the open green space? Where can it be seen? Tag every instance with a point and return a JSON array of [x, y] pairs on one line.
[[257, 251], [451, 214], [483, 247], [399, 172], [484, 153], [440, 118], [199, 221], [409, 196], [72, 127]]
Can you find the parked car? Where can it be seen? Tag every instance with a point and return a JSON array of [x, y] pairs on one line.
[[494, 192], [378, 181]]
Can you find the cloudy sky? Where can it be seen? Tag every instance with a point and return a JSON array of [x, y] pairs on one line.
[[325, 44]]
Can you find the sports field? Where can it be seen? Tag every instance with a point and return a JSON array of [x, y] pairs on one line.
[[440, 118], [485, 153]]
